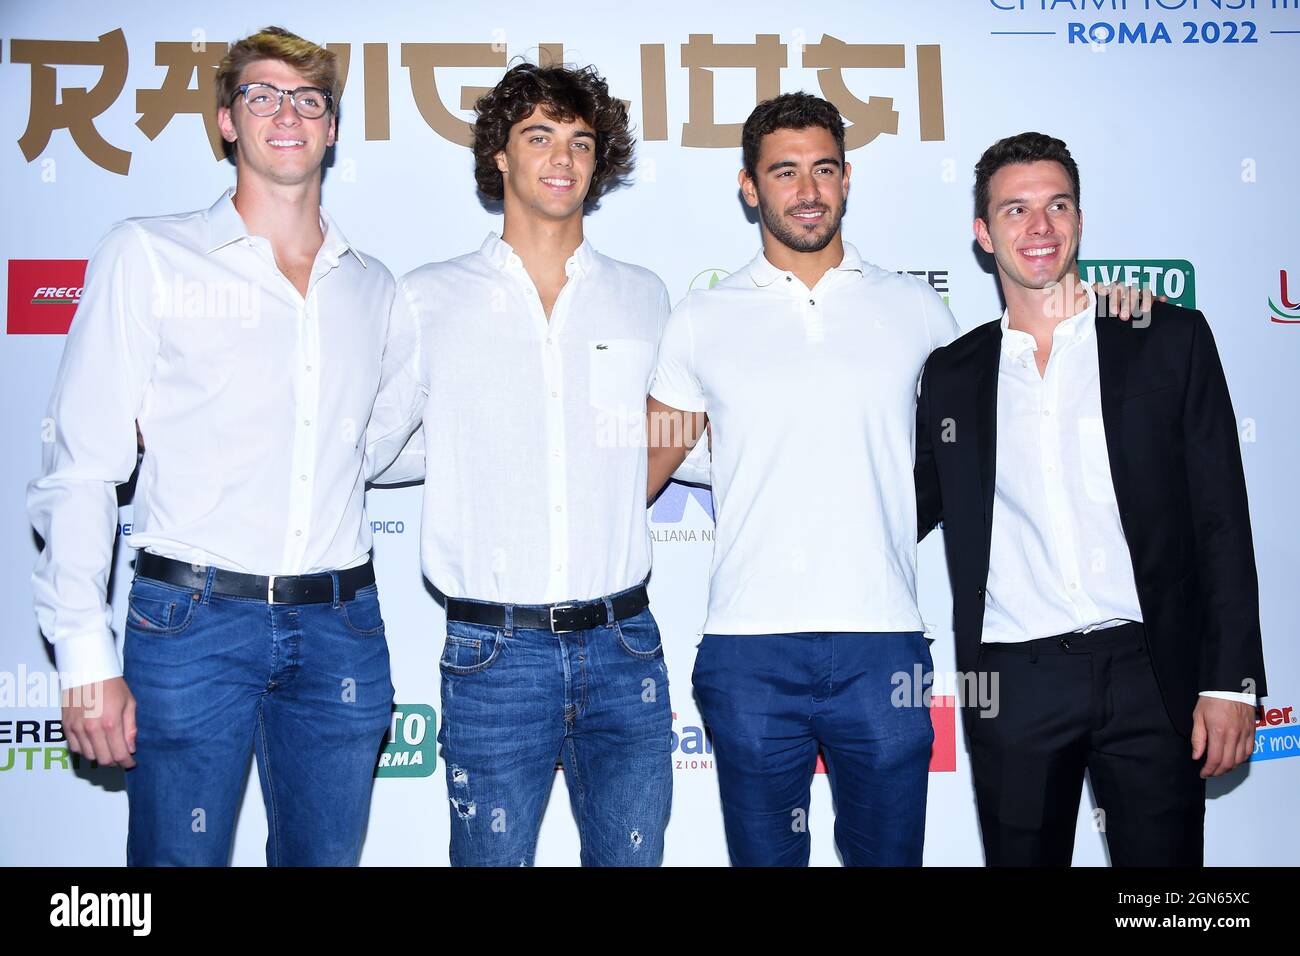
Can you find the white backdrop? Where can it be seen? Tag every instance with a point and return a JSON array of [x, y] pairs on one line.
[[1187, 152]]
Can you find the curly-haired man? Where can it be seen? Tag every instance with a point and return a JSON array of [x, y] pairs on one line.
[[528, 368]]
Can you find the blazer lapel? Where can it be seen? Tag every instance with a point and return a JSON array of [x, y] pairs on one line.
[[987, 359], [1112, 368]]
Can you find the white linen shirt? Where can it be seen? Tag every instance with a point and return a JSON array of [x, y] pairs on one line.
[[811, 394], [534, 458], [252, 400], [1058, 558]]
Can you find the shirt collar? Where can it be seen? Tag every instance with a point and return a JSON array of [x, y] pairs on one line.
[[225, 226], [498, 252], [1076, 328], [763, 273]]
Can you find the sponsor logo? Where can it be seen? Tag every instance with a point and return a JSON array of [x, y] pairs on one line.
[[1288, 313], [36, 745], [707, 279], [1277, 734], [411, 748], [693, 744], [937, 279], [692, 747], [670, 507], [1172, 278], [388, 527], [43, 295]]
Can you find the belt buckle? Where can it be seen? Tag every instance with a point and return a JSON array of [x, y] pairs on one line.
[[270, 589], [561, 607]]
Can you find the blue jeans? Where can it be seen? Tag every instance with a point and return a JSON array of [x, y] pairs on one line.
[[304, 686], [771, 699], [516, 699]]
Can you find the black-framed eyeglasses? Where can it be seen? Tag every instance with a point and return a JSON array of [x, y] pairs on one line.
[[263, 99]]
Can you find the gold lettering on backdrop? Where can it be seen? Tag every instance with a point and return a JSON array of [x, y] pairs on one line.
[[73, 108], [548, 54], [158, 107], [929, 91], [375, 66], [766, 56], [654, 92], [877, 115], [421, 59]]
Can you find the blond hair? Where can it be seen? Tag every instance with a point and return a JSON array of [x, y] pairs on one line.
[[317, 64]]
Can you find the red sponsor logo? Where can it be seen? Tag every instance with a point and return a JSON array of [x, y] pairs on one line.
[[943, 752], [43, 295]]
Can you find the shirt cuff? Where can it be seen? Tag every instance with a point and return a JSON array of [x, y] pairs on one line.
[[86, 658], [1230, 695]]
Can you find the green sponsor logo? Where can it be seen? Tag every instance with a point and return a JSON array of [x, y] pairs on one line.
[[707, 279], [1174, 278], [412, 746]]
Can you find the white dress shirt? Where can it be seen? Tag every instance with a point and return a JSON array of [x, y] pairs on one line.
[[252, 399], [811, 394], [1058, 559], [533, 430]]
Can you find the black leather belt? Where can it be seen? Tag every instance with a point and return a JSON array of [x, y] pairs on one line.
[[273, 589], [556, 618]]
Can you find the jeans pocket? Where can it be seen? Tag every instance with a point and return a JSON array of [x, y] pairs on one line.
[[362, 614], [639, 636], [470, 648], [155, 608]]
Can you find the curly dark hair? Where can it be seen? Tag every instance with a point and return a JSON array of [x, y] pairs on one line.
[[564, 94], [788, 111], [1021, 148]]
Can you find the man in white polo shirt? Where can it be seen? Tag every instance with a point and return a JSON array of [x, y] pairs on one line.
[[805, 363]]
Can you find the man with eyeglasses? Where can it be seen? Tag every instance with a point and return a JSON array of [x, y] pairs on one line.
[[246, 341]]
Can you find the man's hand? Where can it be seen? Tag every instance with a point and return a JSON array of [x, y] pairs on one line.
[[1125, 301], [1223, 730], [99, 720]]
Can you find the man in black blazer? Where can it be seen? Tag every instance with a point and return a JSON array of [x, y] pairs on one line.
[[1089, 479]]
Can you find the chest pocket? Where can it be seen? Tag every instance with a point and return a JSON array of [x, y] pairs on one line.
[[619, 375]]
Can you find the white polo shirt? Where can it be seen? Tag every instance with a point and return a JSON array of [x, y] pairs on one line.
[[812, 398]]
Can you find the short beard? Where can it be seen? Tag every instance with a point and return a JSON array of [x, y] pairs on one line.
[[795, 238]]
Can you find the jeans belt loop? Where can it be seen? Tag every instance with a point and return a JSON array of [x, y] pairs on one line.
[[334, 579], [609, 611], [510, 619], [208, 582]]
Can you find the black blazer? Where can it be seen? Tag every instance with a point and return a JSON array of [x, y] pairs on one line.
[[1172, 443]]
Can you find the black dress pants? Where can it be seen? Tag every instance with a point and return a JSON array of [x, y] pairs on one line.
[[1075, 703]]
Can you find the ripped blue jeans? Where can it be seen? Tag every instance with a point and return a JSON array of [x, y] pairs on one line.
[[515, 701]]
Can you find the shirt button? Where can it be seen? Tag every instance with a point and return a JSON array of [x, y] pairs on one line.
[[1051, 468], [559, 507], [298, 533], [559, 567], [309, 368], [548, 342], [306, 422], [302, 477], [555, 394], [1047, 412], [812, 301], [787, 278]]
